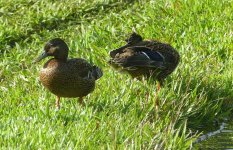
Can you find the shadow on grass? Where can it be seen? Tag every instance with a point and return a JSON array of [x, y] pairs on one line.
[[211, 102], [74, 18], [214, 101]]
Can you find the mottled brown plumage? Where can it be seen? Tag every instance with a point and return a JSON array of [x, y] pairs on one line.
[[147, 58], [67, 77]]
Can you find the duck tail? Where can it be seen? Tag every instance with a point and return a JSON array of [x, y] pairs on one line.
[[96, 72]]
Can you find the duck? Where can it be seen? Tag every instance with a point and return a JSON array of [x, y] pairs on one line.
[[71, 78], [145, 59]]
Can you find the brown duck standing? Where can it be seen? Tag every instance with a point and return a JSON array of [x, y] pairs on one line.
[[66, 77], [148, 58]]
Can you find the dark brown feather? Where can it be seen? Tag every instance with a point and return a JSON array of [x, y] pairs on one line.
[[128, 58], [67, 77]]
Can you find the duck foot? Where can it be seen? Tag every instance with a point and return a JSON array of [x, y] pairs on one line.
[[57, 103], [156, 103]]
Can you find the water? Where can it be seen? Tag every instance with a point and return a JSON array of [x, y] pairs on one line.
[[221, 138]]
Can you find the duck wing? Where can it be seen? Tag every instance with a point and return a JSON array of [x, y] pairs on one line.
[[79, 66], [84, 69], [139, 56]]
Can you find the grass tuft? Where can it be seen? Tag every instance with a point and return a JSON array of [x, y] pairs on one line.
[[117, 114]]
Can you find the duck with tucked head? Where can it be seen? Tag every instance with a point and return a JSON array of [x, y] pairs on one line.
[[66, 77], [148, 58]]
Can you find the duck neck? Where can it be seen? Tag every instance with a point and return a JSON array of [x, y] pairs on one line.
[[63, 59], [61, 56]]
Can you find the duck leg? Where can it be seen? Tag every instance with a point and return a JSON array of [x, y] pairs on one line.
[[156, 96], [58, 102], [80, 100], [158, 86]]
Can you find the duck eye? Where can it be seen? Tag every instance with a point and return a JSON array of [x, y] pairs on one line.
[[48, 47]]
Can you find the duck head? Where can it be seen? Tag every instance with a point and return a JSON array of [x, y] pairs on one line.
[[134, 38], [56, 48]]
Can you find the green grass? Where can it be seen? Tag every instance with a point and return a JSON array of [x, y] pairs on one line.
[[116, 114]]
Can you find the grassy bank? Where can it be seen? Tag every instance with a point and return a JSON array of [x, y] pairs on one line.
[[116, 114]]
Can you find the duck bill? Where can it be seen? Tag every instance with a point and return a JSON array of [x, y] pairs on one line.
[[42, 56]]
